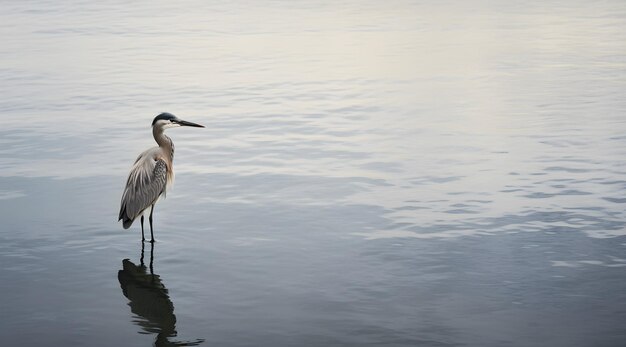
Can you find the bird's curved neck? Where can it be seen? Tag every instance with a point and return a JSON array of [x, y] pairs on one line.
[[164, 142]]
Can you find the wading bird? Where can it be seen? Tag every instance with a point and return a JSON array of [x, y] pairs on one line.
[[151, 175]]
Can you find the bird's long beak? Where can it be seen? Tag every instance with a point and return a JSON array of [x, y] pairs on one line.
[[189, 124]]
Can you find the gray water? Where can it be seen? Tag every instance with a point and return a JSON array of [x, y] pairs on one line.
[[397, 173]]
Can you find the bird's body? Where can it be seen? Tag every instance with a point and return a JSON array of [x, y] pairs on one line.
[[151, 175]]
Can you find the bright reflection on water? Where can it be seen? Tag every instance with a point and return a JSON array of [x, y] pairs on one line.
[[386, 173]]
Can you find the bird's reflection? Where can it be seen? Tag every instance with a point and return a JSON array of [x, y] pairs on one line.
[[150, 301]]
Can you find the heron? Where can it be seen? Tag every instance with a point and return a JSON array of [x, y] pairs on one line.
[[151, 175]]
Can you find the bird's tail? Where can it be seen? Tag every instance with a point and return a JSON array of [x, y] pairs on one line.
[[127, 223], [123, 216]]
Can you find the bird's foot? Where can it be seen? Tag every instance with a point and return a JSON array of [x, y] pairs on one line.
[[152, 241]]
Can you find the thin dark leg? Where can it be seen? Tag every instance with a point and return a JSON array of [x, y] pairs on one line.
[[150, 218], [142, 238]]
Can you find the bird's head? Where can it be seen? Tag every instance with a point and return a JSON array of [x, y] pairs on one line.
[[167, 120]]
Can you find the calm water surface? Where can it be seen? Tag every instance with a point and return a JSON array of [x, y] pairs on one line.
[[404, 173]]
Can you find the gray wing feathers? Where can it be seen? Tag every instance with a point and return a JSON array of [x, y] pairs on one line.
[[146, 181]]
